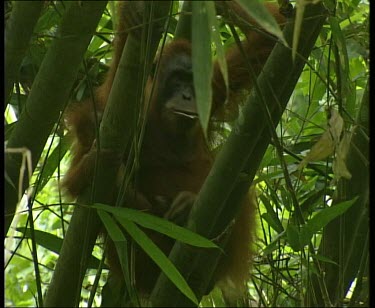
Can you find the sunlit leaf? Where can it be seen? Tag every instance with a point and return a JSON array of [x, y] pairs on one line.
[[158, 224]]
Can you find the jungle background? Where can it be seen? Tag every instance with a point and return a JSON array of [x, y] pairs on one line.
[[312, 181]]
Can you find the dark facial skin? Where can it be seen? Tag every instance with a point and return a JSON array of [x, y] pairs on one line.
[[176, 97], [173, 121]]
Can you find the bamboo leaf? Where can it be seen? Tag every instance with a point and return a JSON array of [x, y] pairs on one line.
[[158, 224], [158, 257]]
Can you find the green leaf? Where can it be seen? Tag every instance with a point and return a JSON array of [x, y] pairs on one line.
[[343, 69], [293, 236], [216, 39], [340, 41], [299, 238], [274, 244], [271, 216], [54, 243], [44, 239], [121, 245], [270, 247], [158, 224], [112, 228], [273, 222], [202, 60], [53, 161], [49, 20], [322, 218], [158, 257], [262, 16], [324, 259]]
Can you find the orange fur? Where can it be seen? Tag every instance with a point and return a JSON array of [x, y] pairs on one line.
[[170, 165]]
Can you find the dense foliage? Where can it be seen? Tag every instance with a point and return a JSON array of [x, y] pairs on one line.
[[312, 184]]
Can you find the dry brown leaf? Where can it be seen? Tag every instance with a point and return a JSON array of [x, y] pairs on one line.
[[328, 142]]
